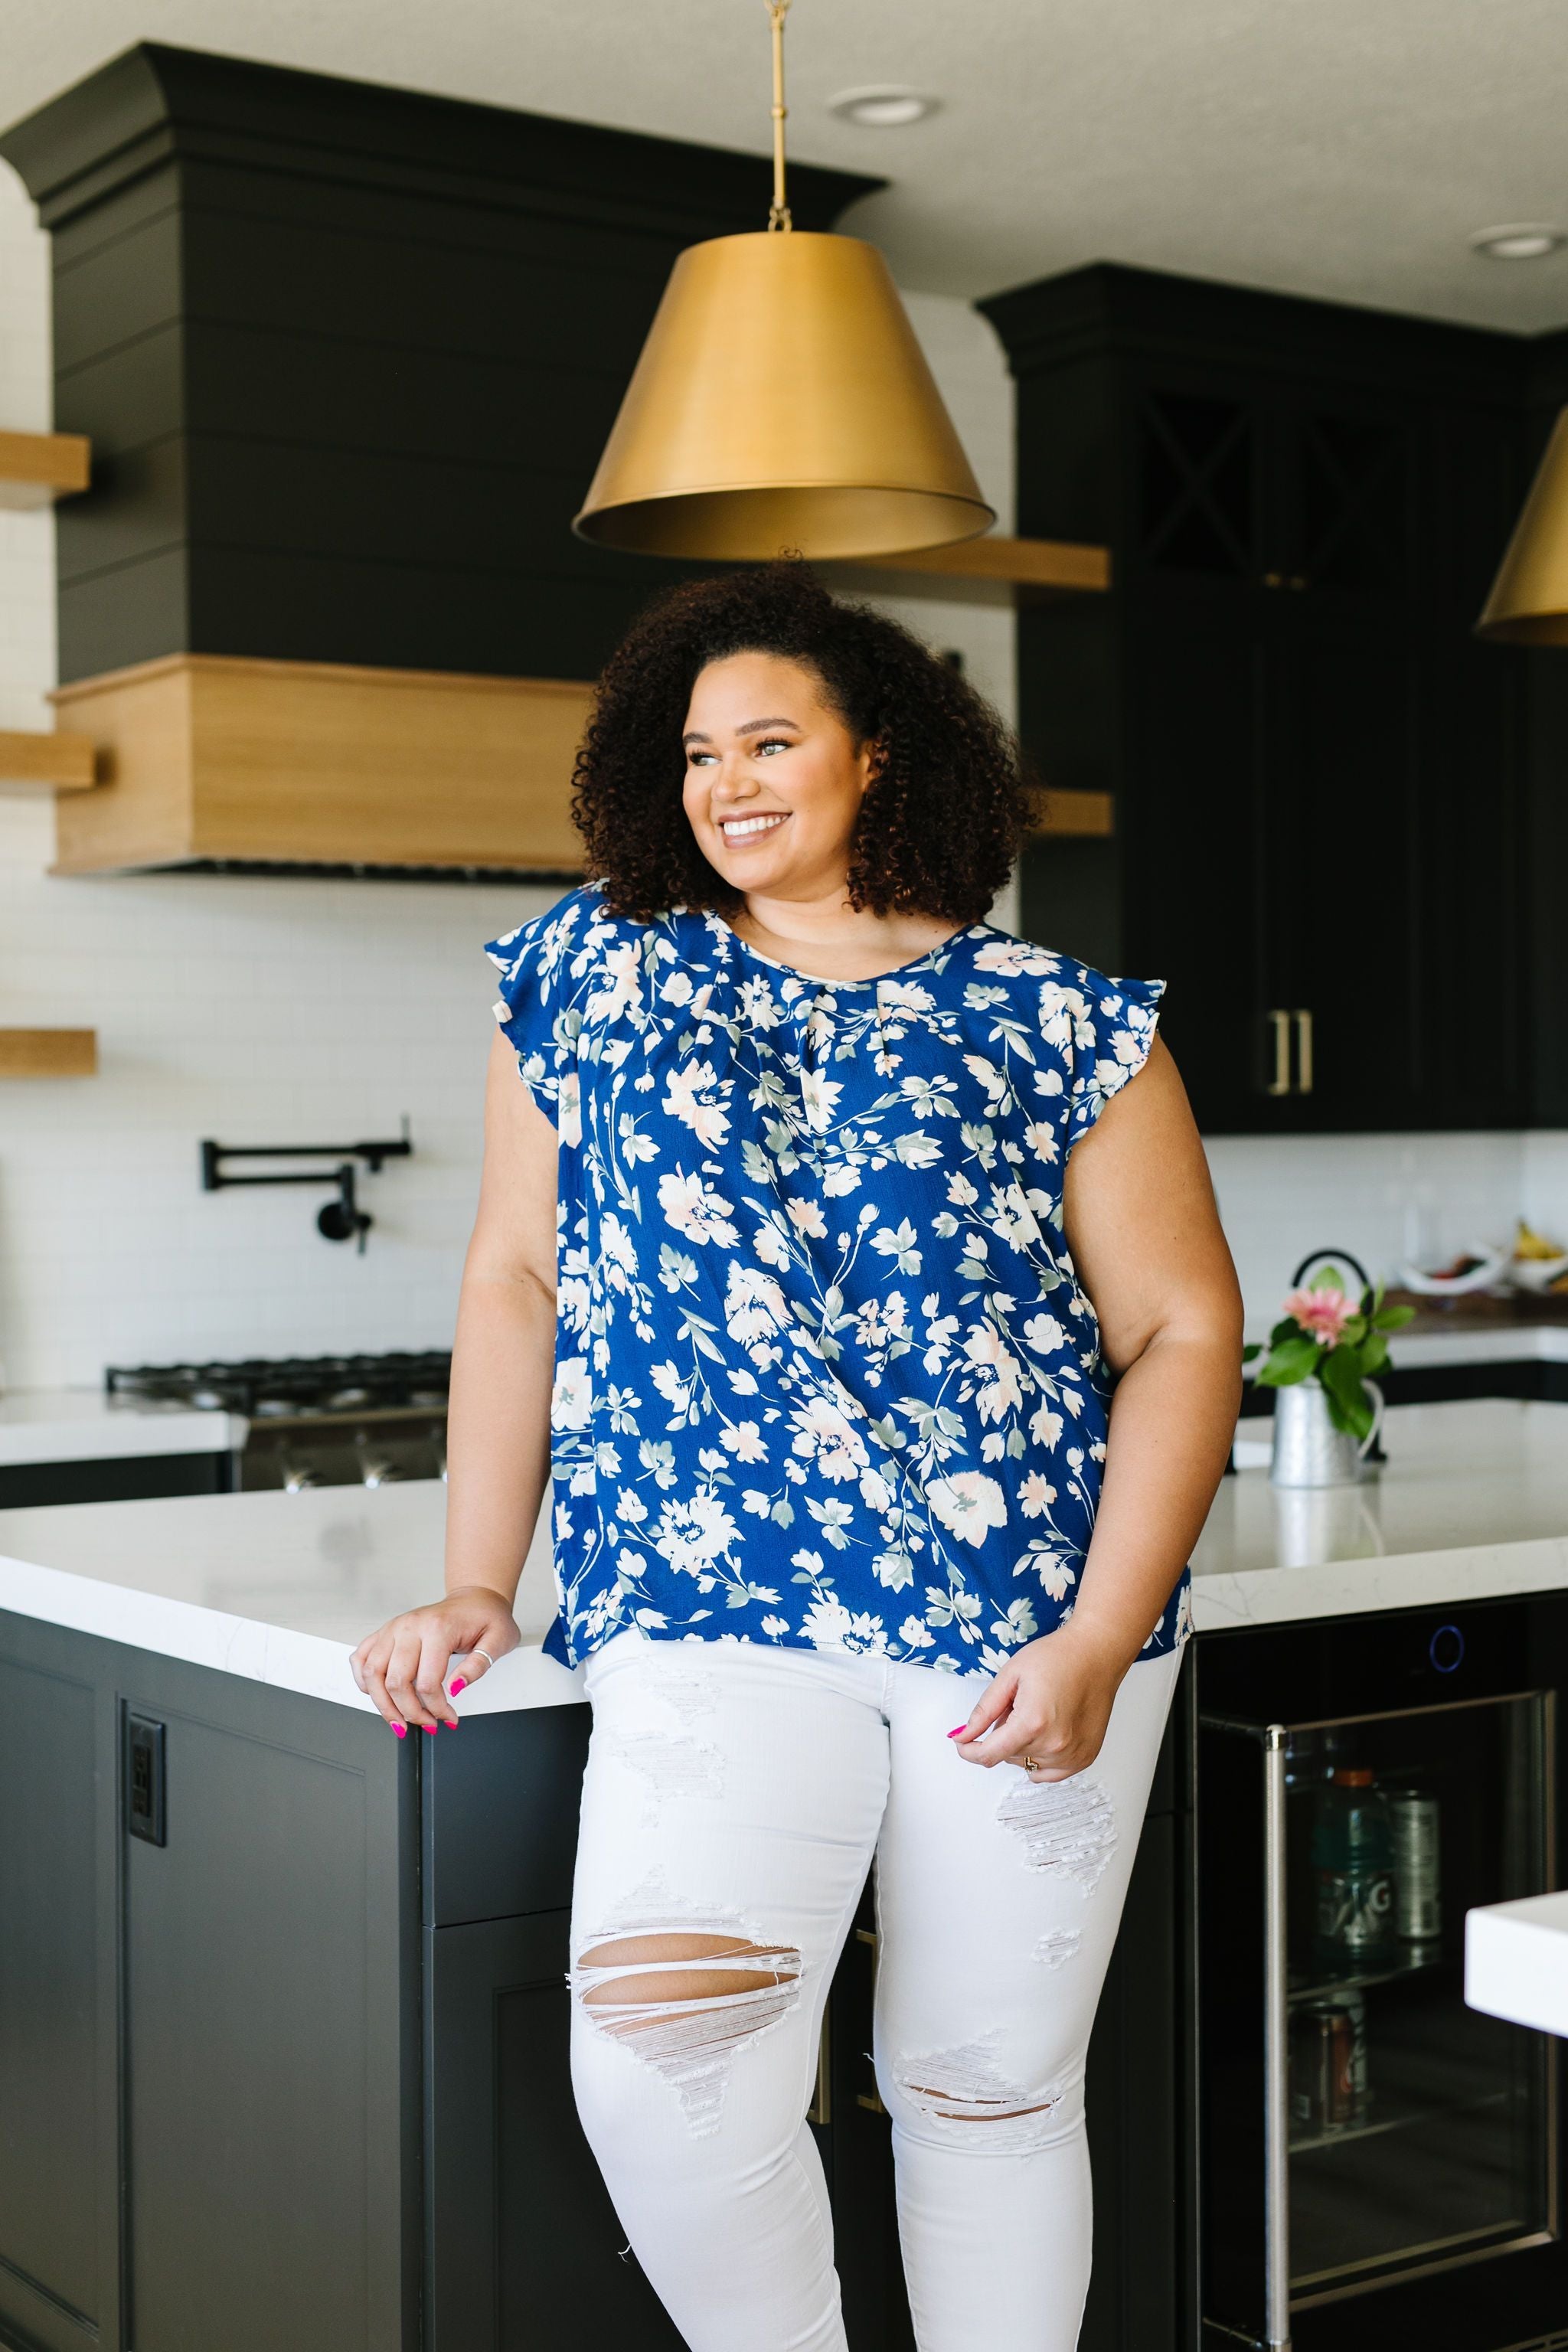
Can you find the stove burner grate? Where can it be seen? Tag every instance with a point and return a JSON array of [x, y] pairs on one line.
[[269, 1388]]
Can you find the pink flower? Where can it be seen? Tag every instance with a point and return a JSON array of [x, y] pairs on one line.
[[1322, 1314]]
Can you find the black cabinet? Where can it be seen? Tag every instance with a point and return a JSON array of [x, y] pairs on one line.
[[1318, 773]]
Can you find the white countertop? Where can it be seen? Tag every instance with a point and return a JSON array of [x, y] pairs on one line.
[[1516, 1961], [86, 1426], [276, 1586], [1540, 1343], [1473, 1503]]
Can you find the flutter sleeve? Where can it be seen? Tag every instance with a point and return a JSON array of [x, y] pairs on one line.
[[1111, 1024], [536, 1010]]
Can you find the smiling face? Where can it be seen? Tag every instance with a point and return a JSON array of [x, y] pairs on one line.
[[774, 777]]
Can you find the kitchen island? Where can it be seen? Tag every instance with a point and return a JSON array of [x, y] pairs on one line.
[[301, 2074]]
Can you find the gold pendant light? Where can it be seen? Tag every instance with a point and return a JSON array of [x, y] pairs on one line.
[[1529, 603], [782, 405]]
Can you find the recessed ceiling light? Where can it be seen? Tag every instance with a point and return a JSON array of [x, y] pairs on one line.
[[1523, 241], [882, 106]]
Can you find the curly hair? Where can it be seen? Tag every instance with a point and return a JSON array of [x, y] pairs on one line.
[[942, 819]]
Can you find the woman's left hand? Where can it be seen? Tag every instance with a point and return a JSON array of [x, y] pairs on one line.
[[1051, 1701]]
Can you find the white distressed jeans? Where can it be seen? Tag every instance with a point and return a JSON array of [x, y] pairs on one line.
[[733, 1800]]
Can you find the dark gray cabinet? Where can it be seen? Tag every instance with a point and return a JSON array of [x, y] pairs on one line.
[[259, 1966], [209, 2060], [58, 2277]]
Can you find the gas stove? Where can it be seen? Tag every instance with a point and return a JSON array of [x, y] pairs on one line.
[[313, 1420]]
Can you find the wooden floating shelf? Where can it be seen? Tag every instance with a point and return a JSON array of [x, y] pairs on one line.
[[63, 764], [37, 467], [1047, 563], [1081, 816], [49, 1052]]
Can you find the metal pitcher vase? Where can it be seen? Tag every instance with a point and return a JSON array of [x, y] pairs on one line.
[[1308, 1451]]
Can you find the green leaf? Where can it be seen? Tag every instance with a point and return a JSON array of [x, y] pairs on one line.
[[1248, 1353], [1286, 1329], [1374, 1353], [1349, 1408], [1327, 1277], [1394, 1319], [1354, 1332], [1293, 1359]]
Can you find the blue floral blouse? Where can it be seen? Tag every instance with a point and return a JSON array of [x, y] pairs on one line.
[[825, 1376]]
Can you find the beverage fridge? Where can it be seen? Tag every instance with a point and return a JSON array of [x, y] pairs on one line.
[[1376, 2164]]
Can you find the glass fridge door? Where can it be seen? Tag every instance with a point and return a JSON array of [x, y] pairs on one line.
[[1419, 2131], [1402, 2133]]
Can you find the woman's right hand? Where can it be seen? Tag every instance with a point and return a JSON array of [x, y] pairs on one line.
[[403, 1667]]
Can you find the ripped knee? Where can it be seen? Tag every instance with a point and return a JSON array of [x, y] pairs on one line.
[[684, 1999], [968, 2097], [631, 1975]]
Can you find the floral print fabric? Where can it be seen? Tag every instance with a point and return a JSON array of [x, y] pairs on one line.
[[823, 1373]]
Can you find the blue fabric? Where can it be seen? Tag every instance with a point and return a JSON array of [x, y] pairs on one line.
[[823, 1373]]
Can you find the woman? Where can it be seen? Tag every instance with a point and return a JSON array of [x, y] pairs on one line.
[[824, 1223]]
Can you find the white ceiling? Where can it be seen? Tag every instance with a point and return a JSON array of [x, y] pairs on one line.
[[1346, 148]]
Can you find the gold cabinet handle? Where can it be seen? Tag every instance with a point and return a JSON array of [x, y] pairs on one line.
[[1304, 1053], [1279, 1084], [821, 2108]]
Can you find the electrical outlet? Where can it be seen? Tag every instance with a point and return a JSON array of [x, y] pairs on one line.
[[144, 1815]]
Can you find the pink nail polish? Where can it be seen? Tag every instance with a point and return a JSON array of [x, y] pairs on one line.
[[432, 1728], [400, 1730], [458, 1683], [956, 1729]]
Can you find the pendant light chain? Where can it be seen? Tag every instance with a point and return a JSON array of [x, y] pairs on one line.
[[778, 217]]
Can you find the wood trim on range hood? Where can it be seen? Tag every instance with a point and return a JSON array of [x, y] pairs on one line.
[[211, 757], [206, 757]]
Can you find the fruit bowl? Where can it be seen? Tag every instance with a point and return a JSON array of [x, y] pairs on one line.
[[1536, 1272], [1489, 1267]]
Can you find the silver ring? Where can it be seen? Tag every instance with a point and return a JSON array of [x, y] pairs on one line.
[[479, 1653]]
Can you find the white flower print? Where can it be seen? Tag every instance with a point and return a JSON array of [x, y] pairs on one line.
[[694, 1096], [811, 1287], [999, 1388], [823, 1432], [690, 1536], [696, 1210], [969, 1506], [827, 1625], [572, 1398], [820, 1095]]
